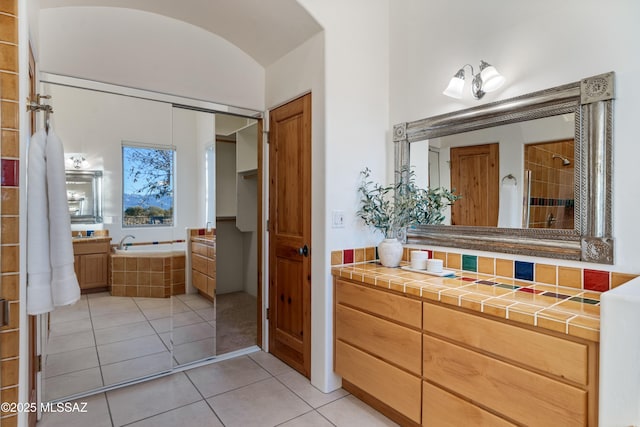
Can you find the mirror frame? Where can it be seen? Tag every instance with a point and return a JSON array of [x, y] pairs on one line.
[[591, 99]]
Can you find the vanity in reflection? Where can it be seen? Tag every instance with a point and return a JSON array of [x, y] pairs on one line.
[[554, 145]]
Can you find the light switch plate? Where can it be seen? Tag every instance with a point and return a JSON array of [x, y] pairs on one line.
[[337, 219]]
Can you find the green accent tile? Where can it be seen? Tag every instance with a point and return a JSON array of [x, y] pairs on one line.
[[512, 287], [470, 263], [585, 300]]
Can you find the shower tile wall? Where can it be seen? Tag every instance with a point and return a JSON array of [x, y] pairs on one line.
[[9, 205], [552, 188]]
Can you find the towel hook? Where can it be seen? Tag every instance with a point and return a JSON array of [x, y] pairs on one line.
[[510, 176], [37, 106]]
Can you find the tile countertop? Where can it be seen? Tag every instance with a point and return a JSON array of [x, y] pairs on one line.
[[575, 312]]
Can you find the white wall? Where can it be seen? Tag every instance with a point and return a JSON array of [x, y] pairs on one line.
[[346, 69], [535, 45], [148, 51], [96, 123]]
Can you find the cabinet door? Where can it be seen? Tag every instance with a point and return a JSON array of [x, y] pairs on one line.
[[93, 270], [76, 267]]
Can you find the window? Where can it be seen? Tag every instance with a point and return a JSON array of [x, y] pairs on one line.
[[147, 185]]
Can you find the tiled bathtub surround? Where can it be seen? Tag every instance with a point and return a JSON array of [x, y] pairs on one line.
[[544, 273], [9, 207], [157, 276]]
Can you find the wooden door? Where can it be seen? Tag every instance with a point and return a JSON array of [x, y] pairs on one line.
[[475, 177], [290, 233]]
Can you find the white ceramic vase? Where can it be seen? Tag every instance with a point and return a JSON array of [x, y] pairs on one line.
[[390, 252]]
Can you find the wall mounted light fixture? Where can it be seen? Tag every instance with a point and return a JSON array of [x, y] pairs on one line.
[[487, 80], [77, 161]]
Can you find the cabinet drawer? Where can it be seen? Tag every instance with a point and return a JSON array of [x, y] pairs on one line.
[[442, 409], [211, 252], [519, 394], [557, 356], [199, 263], [385, 304], [211, 267], [199, 248], [91, 248], [394, 343], [199, 280], [395, 387]]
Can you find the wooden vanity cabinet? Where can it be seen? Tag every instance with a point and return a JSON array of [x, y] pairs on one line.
[[378, 347], [91, 264], [422, 362], [203, 268]]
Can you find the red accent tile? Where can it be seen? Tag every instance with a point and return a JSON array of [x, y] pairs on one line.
[[596, 280], [468, 279], [10, 173], [429, 252], [348, 256], [530, 291], [200, 231]]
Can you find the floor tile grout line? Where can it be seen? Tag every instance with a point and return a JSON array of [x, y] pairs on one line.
[[95, 342], [203, 398], [302, 398]]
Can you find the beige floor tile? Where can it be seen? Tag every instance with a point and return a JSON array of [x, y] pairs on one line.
[[70, 327], [227, 375], [165, 324], [265, 403], [130, 349], [136, 368], [72, 383], [302, 387], [349, 411], [196, 414], [140, 401], [191, 333], [109, 321], [112, 305], [96, 415], [160, 312], [198, 304], [123, 333], [198, 350], [70, 361], [62, 343], [77, 311], [208, 314], [310, 419], [271, 363]]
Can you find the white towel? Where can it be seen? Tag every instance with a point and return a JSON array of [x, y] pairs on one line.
[[51, 279], [508, 206]]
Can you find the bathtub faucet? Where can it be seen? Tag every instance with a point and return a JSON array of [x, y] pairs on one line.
[[121, 244]]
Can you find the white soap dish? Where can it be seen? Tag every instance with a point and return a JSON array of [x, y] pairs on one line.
[[444, 273]]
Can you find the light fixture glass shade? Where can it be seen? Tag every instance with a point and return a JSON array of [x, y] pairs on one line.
[[491, 78], [454, 90]]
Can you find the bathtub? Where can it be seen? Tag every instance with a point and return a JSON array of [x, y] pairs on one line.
[[152, 250], [155, 271]]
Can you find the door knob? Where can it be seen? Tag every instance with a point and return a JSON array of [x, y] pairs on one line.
[[304, 250]]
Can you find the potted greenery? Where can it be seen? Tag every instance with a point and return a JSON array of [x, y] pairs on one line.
[[392, 208]]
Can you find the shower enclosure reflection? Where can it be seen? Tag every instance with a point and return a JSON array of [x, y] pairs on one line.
[[151, 317]]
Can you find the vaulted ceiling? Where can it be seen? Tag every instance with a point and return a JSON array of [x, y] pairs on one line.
[[265, 30]]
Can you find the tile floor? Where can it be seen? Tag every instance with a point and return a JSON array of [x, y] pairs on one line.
[[103, 340], [253, 390]]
